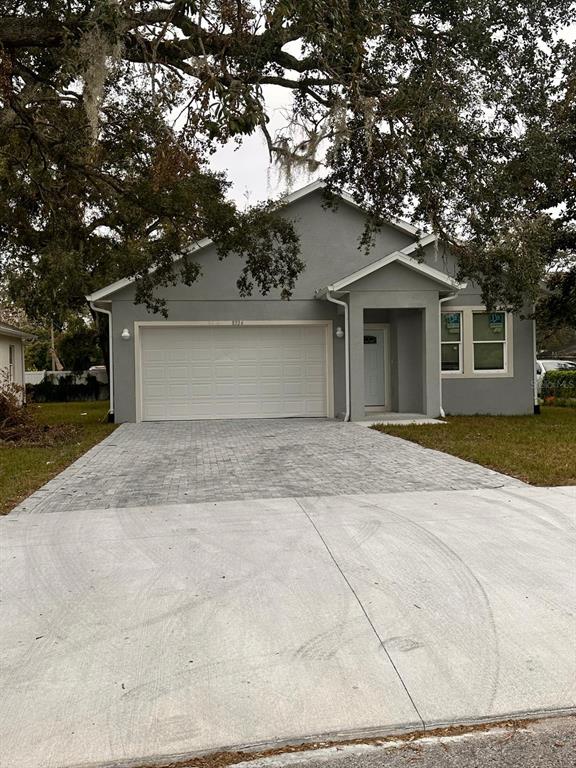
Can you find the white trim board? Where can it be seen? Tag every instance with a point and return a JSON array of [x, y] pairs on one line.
[[402, 258]]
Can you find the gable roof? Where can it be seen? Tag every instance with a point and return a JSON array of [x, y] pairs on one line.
[[315, 186], [402, 257], [116, 286], [299, 194]]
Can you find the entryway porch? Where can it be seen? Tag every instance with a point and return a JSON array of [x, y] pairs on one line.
[[394, 354]]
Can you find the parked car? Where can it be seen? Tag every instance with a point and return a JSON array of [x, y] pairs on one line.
[[543, 366]]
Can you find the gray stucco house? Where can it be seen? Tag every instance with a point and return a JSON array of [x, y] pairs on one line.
[[363, 334]]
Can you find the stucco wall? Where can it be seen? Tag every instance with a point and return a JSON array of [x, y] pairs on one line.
[[485, 393], [410, 360], [329, 247], [497, 395]]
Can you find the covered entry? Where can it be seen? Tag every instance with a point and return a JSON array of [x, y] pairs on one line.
[[233, 370]]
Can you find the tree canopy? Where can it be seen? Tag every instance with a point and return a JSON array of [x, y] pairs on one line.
[[458, 114]]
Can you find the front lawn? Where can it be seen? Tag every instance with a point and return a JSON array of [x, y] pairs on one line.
[[23, 469], [537, 449]]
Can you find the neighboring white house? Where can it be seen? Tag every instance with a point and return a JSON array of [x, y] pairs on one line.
[[12, 354]]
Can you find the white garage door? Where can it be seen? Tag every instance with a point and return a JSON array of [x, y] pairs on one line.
[[219, 372]]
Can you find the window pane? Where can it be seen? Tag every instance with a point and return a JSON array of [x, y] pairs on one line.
[[489, 326], [450, 357], [451, 326], [489, 357]]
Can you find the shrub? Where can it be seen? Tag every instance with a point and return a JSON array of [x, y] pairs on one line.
[[559, 385], [15, 419]]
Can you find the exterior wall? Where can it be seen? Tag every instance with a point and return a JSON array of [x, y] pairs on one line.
[[5, 343], [504, 395], [409, 301], [329, 247], [409, 326], [487, 393]]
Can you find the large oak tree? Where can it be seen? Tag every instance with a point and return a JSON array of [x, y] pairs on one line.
[[458, 114]]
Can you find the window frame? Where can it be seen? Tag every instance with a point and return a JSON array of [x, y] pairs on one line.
[[460, 343], [468, 370], [503, 342]]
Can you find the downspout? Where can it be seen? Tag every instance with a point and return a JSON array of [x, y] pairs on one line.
[[110, 357], [346, 346], [534, 358], [446, 298]]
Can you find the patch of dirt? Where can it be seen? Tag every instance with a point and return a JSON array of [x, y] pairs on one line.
[[18, 425], [223, 759], [37, 435]]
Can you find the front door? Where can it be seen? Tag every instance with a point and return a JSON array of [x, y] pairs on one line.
[[375, 358]]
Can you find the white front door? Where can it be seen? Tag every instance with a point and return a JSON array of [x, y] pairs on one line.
[[375, 367]]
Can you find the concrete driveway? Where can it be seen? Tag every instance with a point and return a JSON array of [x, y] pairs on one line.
[[137, 631]]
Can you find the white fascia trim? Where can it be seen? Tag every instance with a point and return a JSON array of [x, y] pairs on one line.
[[113, 287], [401, 257], [422, 243], [15, 333]]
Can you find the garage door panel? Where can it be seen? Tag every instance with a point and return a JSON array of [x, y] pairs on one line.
[[206, 372], [313, 370], [177, 372], [292, 371], [179, 391], [198, 390], [153, 392], [151, 356], [268, 371]]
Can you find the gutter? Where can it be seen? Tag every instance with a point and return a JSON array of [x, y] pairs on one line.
[[341, 303], [110, 357], [446, 298]]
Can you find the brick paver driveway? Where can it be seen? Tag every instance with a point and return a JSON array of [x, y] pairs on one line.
[[187, 462]]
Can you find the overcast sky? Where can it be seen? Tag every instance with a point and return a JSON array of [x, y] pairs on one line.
[[248, 167]]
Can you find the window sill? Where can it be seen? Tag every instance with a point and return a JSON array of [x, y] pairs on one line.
[[478, 375]]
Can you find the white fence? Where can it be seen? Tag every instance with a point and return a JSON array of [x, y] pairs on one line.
[[35, 377]]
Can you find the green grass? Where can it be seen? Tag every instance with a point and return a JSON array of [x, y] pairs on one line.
[[540, 450], [23, 469]]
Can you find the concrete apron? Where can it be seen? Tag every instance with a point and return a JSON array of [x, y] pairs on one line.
[[145, 633]]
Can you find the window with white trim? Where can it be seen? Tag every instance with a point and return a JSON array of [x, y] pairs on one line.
[[489, 340], [451, 339], [11, 363], [476, 343]]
